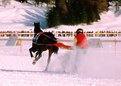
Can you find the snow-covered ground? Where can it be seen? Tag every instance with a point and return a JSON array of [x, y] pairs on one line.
[[17, 16], [96, 68], [100, 66]]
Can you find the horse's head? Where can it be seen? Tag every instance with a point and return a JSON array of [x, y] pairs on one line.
[[36, 24], [37, 27]]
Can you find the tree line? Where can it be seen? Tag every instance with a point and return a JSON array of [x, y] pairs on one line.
[[73, 12]]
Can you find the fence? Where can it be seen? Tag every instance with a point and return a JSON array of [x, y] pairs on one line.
[[29, 35], [111, 36]]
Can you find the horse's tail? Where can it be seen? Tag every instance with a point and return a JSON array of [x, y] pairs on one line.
[[55, 49]]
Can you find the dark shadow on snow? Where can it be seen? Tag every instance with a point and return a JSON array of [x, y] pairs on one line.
[[118, 13], [35, 15]]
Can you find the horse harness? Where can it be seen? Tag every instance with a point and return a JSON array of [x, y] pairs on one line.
[[35, 39]]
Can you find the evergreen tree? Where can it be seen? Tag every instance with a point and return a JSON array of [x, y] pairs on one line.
[[37, 2], [76, 11], [44, 1], [54, 17], [22, 1], [102, 5]]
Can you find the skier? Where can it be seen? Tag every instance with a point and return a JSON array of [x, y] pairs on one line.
[[80, 39], [80, 49]]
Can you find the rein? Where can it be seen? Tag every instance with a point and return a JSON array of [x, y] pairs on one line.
[[58, 44], [49, 37]]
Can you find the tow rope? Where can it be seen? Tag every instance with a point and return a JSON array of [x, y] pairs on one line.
[[58, 44]]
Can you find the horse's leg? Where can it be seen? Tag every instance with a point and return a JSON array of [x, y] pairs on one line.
[[30, 50], [37, 57], [49, 58], [34, 60]]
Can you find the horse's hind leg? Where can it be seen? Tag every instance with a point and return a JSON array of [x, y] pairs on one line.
[[49, 58]]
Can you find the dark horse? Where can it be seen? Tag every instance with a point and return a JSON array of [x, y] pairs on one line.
[[42, 41]]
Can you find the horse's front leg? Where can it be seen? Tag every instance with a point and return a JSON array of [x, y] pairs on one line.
[[37, 57], [30, 50]]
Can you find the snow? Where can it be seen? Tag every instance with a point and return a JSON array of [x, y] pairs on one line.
[[100, 69], [100, 66], [20, 17]]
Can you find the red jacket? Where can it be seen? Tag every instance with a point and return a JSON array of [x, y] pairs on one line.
[[81, 41]]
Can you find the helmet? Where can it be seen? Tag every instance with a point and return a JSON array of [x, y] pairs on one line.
[[79, 31]]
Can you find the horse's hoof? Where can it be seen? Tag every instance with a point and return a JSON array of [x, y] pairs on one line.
[[33, 63]]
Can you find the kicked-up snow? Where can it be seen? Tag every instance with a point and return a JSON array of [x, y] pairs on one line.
[[96, 68], [100, 66]]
